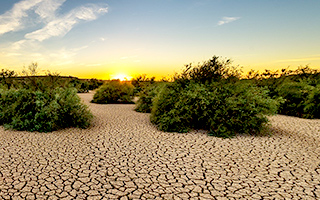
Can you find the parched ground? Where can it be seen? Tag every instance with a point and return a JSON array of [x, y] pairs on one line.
[[123, 156]]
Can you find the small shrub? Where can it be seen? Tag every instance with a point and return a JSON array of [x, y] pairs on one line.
[[141, 82], [114, 92], [43, 111], [144, 103], [94, 83], [213, 70], [312, 104], [295, 95], [80, 85], [7, 78]]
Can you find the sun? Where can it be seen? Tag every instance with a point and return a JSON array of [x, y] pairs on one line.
[[121, 77]]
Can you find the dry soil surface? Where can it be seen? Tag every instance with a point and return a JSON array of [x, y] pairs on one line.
[[123, 156]]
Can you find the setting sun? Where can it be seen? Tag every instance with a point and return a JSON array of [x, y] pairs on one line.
[[121, 77]]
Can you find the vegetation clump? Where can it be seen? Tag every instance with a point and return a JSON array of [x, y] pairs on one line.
[[83, 86], [312, 104], [142, 82], [211, 96], [146, 97], [114, 92], [43, 111], [146, 89], [298, 88], [41, 104]]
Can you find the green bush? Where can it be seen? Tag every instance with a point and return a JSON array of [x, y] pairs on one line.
[[144, 103], [7, 78], [312, 104], [141, 82], [43, 111], [114, 92], [211, 96], [295, 95], [94, 83], [213, 70], [223, 109], [81, 85]]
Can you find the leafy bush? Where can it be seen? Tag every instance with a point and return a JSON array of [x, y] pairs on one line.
[[312, 104], [211, 96], [144, 103], [80, 85], [7, 78], [213, 70], [114, 92], [295, 95], [41, 103], [141, 82], [43, 111], [223, 109], [274, 79], [94, 83], [296, 87]]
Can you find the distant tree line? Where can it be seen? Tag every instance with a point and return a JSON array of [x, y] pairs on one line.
[[30, 79]]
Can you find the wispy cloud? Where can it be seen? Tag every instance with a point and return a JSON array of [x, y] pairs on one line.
[[47, 8], [226, 20], [12, 19], [54, 24], [300, 59], [62, 25], [24, 44]]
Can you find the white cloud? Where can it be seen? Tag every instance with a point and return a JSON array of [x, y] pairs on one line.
[[55, 25], [47, 15], [24, 45], [226, 20], [47, 8], [62, 25], [80, 48], [12, 19]]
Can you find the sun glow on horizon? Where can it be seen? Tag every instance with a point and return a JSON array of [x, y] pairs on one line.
[[121, 77]]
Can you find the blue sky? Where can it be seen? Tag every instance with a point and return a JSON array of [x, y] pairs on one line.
[[102, 38]]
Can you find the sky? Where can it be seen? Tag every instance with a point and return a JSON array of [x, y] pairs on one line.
[[105, 38]]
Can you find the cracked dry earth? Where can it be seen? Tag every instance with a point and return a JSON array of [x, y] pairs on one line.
[[122, 156]]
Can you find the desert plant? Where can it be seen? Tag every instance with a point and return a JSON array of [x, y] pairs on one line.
[[213, 70], [295, 95], [114, 92], [223, 109], [211, 96], [43, 111], [312, 104], [144, 103], [94, 83], [7, 78], [141, 82], [82, 86]]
